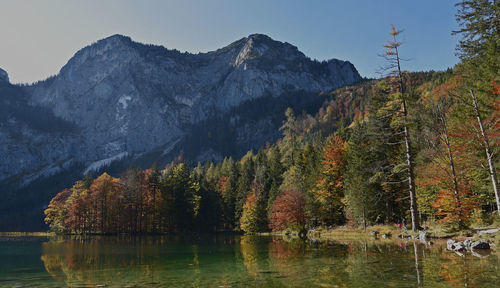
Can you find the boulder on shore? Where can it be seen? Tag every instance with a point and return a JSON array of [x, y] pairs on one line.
[[450, 243], [467, 245], [459, 246], [479, 245], [422, 236]]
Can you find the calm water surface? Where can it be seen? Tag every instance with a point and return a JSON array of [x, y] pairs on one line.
[[237, 261]]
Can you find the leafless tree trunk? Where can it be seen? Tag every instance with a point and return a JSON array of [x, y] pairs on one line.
[[489, 154], [409, 157], [411, 175], [452, 165]]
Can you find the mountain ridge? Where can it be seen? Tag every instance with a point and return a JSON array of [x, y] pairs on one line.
[[129, 102], [235, 73]]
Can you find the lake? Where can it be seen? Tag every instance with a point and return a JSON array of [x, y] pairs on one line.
[[225, 260]]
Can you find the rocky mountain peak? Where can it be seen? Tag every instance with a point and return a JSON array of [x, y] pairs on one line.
[[114, 47], [114, 41], [259, 45], [258, 36], [4, 77], [117, 37], [249, 51]]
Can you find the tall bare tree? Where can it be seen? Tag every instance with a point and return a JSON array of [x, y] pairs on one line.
[[394, 71]]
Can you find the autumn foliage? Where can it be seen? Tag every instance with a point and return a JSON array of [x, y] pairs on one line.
[[134, 203], [453, 208], [329, 191], [249, 218], [288, 209]]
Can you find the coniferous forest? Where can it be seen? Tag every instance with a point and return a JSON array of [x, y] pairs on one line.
[[415, 146]]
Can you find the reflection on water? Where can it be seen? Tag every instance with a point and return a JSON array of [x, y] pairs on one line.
[[237, 261]]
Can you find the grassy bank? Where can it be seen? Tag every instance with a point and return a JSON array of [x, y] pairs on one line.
[[388, 232], [26, 234], [344, 232]]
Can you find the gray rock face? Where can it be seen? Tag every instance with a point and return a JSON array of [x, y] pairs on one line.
[[127, 99], [4, 76], [33, 142]]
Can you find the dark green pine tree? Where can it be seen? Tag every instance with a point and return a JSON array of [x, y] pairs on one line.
[[274, 176], [154, 188], [246, 176], [185, 202], [229, 169], [385, 135], [210, 206], [479, 22], [361, 195], [261, 186], [309, 164], [290, 142]]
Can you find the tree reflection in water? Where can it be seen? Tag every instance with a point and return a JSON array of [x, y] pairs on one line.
[[102, 260], [242, 261]]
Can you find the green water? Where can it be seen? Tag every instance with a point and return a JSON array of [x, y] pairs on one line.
[[237, 261]]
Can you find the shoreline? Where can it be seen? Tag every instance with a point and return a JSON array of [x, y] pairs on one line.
[[379, 232], [389, 233]]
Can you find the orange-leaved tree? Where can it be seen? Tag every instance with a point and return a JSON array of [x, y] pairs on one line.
[[57, 211], [447, 173], [103, 194], [288, 209], [328, 191]]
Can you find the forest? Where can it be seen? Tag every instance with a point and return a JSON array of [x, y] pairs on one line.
[[416, 146]]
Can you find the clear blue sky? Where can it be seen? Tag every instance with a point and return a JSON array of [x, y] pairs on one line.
[[38, 37]]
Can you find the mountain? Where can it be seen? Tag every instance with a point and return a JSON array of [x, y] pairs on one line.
[[118, 102], [4, 77]]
